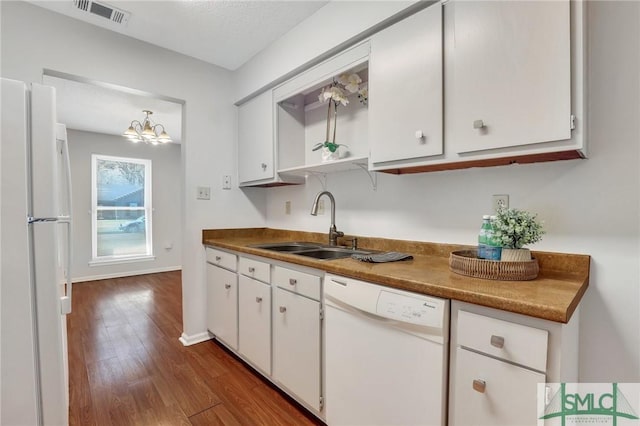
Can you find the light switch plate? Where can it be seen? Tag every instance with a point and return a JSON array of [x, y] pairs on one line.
[[204, 193], [226, 182]]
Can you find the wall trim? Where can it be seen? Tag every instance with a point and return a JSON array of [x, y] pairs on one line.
[[126, 274], [187, 340]]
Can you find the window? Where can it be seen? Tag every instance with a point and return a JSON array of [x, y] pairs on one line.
[[121, 209]]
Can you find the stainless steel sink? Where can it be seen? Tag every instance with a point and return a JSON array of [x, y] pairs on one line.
[[289, 246], [331, 253], [313, 250]]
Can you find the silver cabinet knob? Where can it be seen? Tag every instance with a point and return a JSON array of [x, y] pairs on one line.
[[497, 341], [283, 309], [258, 299], [252, 269], [227, 286], [293, 281], [479, 385], [419, 134], [218, 258], [478, 124], [264, 166]]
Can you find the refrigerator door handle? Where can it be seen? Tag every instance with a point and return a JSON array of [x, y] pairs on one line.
[[65, 301], [59, 219], [31, 219], [67, 169]]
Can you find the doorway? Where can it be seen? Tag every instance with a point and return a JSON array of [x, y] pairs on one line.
[[111, 208]]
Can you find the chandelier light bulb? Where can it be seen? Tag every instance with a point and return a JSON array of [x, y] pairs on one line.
[[146, 131], [164, 137]]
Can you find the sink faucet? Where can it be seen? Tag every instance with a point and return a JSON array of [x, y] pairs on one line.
[[333, 232]]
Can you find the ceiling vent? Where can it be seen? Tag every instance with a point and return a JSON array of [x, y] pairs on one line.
[[103, 10]]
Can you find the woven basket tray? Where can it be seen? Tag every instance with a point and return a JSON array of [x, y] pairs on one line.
[[466, 262]]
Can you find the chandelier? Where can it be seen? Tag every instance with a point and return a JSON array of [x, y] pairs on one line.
[[146, 131]]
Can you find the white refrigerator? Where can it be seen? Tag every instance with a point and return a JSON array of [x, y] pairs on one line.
[[35, 252]]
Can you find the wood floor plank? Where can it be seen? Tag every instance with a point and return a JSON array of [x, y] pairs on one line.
[[218, 415], [127, 366]]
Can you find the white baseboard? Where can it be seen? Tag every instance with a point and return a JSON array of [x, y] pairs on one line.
[[187, 340], [125, 274]]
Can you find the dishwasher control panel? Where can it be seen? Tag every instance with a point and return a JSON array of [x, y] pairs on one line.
[[416, 310]]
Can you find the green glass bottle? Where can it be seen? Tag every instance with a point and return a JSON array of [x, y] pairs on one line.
[[493, 249], [482, 236]]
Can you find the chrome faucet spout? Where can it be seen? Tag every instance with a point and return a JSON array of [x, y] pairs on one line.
[[333, 231]]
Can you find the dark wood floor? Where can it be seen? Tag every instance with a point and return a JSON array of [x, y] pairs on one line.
[[127, 367]]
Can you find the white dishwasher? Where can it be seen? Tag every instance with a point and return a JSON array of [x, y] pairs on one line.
[[386, 353]]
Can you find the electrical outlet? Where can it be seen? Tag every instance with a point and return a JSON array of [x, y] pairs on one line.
[[203, 193], [226, 182], [287, 207], [321, 207], [500, 200]]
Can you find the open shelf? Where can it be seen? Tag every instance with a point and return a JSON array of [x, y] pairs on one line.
[[344, 164], [301, 119]]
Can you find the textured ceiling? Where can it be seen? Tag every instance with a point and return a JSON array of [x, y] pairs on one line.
[[222, 32], [226, 33]]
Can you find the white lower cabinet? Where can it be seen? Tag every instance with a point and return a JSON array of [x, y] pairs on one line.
[[222, 304], [270, 315], [296, 345], [499, 358], [254, 322], [494, 392]]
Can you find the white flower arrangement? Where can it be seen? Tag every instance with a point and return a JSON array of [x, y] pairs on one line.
[[515, 228], [337, 93], [334, 93]]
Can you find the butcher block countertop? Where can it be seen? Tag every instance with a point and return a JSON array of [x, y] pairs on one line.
[[553, 295]]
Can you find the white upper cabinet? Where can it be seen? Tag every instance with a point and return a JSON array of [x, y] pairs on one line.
[[405, 87], [255, 139], [510, 74], [456, 84]]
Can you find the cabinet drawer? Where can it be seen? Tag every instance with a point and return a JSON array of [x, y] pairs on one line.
[[255, 269], [486, 391], [297, 282], [516, 343], [222, 258]]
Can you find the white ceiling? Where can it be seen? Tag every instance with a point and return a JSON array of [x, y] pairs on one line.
[[226, 33], [222, 32], [92, 108]]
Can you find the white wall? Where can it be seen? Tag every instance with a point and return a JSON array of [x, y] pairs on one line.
[[331, 25], [34, 38], [166, 196], [589, 206]]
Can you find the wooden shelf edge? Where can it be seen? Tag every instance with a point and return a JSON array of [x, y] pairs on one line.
[[489, 162]]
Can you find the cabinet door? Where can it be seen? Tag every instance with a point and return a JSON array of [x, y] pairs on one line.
[[222, 304], [511, 72], [255, 139], [296, 345], [509, 396], [405, 84], [254, 322]]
